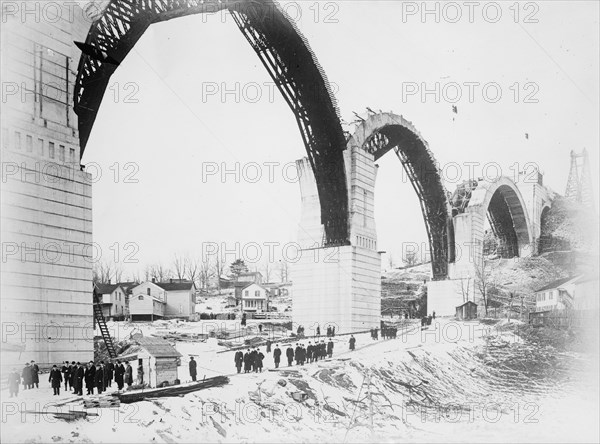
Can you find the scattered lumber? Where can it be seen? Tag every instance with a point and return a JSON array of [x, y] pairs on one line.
[[135, 396], [182, 337], [71, 415], [106, 402]]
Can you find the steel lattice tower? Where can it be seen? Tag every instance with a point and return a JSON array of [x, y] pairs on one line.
[[579, 184]]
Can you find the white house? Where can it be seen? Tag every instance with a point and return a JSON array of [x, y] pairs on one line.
[[157, 300], [556, 295], [255, 298], [147, 302], [113, 299], [180, 298]]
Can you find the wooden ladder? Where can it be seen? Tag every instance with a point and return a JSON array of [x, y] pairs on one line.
[[99, 318]]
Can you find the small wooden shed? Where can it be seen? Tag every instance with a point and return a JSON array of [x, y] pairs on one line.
[[466, 311], [159, 360]]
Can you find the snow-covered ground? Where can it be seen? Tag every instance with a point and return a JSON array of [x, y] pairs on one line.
[[451, 382]]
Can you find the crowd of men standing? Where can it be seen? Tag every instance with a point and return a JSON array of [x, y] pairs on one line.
[[252, 359], [74, 375]]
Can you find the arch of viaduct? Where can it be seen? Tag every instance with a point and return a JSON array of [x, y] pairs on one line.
[[40, 291], [295, 70], [454, 222]]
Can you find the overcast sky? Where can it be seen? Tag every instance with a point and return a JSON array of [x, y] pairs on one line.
[[374, 54]]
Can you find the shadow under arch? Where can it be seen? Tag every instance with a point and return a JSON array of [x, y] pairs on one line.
[[383, 132], [284, 53], [502, 203]]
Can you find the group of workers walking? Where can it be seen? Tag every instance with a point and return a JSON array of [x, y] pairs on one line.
[[75, 375]]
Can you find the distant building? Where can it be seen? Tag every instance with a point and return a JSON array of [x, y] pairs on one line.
[[557, 295], [147, 302], [243, 280], [114, 299], [225, 282], [255, 298], [158, 358], [466, 311], [251, 276], [180, 298], [283, 289], [158, 300]]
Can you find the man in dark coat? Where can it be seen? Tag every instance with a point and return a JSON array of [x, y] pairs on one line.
[[253, 361], [128, 374], [66, 373], [55, 379], [352, 342], [247, 361], [99, 379], [289, 353], [35, 374], [311, 354], [110, 367], [140, 373], [330, 348], [258, 358], [89, 376], [119, 373], [269, 346], [14, 379], [79, 378], [277, 355], [297, 354], [193, 364], [26, 375], [73, 375], [104, 369], [239, 360]]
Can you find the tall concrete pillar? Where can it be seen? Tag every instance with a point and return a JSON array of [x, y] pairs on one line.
[[46, 217], [536, 197], [339, 286]]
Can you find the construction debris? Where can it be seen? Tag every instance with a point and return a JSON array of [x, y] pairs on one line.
[[104, 402], [72, 415], [182, 337], [299, 396], [130, 397]]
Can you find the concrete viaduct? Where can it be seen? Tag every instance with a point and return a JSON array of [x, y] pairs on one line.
[[52, 91]]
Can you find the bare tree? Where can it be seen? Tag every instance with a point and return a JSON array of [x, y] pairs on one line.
[[160, 273], [103, 272], [179, 267], [192, 269], [205, 272], [483, 280], [118, 273], [267, 269], [410, 258], [219, 264], [391, 261], [134, 277], [465, 285], [284, 270]]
